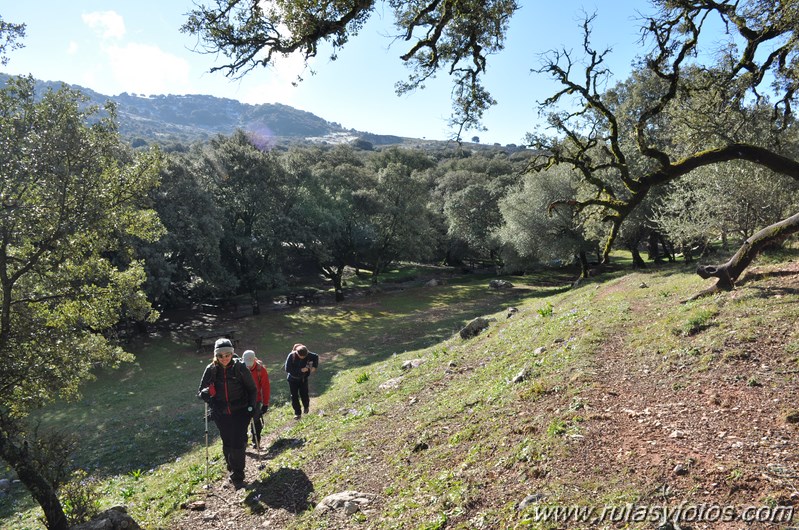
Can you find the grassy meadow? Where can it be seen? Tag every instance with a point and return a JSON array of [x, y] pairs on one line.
[[455, 444]]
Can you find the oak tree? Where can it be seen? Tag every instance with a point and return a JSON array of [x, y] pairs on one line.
[[455, 36], [70, 197], [626, 153]]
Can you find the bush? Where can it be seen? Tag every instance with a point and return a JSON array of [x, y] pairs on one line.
[[80, 498]]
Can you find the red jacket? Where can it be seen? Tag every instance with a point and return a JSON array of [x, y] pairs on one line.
[[261, 377]]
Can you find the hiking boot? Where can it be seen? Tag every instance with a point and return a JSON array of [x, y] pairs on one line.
[[306, 410], [237, 478], [297, 416]]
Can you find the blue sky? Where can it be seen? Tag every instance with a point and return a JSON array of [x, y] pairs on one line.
[[115, 46]]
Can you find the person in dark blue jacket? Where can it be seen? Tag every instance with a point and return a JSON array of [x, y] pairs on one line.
[[229, 389], [300, 364]]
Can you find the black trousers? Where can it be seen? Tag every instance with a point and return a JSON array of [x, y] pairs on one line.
[[299, 392], [233, 431]]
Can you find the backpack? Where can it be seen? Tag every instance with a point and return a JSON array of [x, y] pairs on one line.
[[211, 390]]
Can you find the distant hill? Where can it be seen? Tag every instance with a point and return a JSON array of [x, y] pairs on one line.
[[171, 119], [191, 118]]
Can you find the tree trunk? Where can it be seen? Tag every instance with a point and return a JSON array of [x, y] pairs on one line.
[[729, 272], [38, 486], [338, 288], [652, 247], [585, 270], [668, 247], [336, 275], [638, 261], [687, 253]]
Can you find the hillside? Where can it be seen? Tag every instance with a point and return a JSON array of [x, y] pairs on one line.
[[613, 396], [190, 118], [172, 119]]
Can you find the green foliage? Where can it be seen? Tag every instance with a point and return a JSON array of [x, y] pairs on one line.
[[80, 497], [460, 36], [546, 311], [10, 36], [251, 195], [61, 223], [362, 378], [698, 320], [557, 427], [72, 201]]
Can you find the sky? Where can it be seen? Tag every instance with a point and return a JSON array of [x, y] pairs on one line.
[[116, 46]]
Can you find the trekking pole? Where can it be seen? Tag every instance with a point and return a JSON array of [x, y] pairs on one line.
[[257, 440], [206, 441]]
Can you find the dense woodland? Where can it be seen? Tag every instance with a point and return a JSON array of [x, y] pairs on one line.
[[675, 159]]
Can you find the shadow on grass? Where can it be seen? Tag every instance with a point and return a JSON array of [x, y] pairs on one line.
[[285, 489], [280, 445]]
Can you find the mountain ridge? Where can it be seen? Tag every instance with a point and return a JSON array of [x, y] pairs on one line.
[[192, 118]]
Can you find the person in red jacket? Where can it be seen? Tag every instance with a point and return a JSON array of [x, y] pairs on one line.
[[261, 377]]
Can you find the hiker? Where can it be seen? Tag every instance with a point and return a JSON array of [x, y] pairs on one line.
[[261, 378], [229, 389], [299, 365]]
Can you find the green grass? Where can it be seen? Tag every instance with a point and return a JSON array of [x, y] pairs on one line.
[[453, 430], [145, 415]]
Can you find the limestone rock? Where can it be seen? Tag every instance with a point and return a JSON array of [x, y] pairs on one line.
[[500, 284], [115, 518], [346, 502], [474, 328]]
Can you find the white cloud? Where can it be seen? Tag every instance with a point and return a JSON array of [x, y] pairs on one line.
[[145, 69], [72, 48], [274, 84], [107, 24]]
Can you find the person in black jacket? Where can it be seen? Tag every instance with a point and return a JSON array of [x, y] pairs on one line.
[[228, 387], [299, 365]]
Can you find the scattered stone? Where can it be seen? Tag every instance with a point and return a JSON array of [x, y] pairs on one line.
[[419, 447], [521, 376], [677, 434], [539, 350], [452, 364], [500, 284], [5, 485], [432, 283], [474, 328], [196, 506], [511, 311], [390, 384], [115, 518], [346, 502], [680, 470], [413, 363], [643, 285], [530, 499]]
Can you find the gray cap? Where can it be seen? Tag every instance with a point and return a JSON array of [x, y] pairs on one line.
[[248, 357], [223, 346]]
